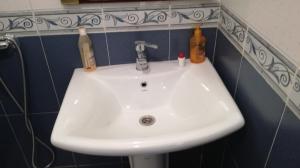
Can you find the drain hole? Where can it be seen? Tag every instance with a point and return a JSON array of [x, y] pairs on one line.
[[144, 84], [147, 120]]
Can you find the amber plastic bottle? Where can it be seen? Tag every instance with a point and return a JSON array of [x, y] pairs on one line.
[[197, 46]]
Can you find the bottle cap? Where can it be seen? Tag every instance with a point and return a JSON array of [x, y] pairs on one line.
[[181, 55], [82, 31]]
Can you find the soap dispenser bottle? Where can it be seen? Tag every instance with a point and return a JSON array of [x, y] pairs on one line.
[[86, 51], [197, 46]]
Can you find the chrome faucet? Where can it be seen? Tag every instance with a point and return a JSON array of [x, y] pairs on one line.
[[141, 60], [5, 41]]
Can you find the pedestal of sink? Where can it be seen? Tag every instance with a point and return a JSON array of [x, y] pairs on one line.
[[149, 161]]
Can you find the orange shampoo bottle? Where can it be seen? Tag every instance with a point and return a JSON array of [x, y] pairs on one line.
[[197, 46]]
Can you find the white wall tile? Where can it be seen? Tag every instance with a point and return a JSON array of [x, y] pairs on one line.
[[276, 20], [46, 4], [14, 5], [56, 4]]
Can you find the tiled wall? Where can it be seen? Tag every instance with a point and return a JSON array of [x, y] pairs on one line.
[[62, 57], [258, 76], [282, 31], [48, 40], [265, 86]]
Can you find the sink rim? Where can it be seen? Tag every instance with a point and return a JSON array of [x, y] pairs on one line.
[[153, 145], [120, 147]]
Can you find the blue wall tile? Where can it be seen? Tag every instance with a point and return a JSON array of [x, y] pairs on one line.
[[186, 158], [228, 160], [180, 41], [10, 154], [286, 150], [41, 92], [10, 72], [261, 108], [41, 95], [100, 49], [100, 166], [122, 47], [63, 55], [227, 62], [1, 109], [42, 124], [99, 160], [213, 153], [125, 162]]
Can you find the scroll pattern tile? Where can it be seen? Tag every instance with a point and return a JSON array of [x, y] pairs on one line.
[[195, 15], [276, 69], [69, 20], [233, 28]]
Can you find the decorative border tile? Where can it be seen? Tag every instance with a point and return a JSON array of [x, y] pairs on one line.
[[69, 20], [278, 72], [233, 27], [136, 18], [276, 69], [49, 22], [294, 97], [195, 15], [62, 21], [17, 23]]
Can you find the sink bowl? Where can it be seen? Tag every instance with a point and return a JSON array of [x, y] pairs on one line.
[[118, 110]]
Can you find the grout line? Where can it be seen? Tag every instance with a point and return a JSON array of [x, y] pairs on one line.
[[167, 159], [44, 113], [169, 56], [169, 29], [15, 135], [74, 160], [238, 77], [122, 162], [99, 165], [11, 115], [223, 154], [217, 30], [46, 60], [31, 114], [65, 166], [106, 38], [241, 63], [215, 45], [201, 158], [275, 137], [280, 121], [236, 165], [81, 165], [131, 165]]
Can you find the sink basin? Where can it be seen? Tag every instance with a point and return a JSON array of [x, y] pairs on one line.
[[118, 110]]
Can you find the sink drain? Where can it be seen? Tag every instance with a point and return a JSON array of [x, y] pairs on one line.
[[147, 120]]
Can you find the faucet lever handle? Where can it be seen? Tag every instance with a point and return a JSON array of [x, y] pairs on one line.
[[145, 44]]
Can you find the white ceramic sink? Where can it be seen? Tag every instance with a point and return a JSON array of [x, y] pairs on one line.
[[101, 110]]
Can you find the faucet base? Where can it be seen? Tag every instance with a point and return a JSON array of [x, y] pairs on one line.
[[142, 64]]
